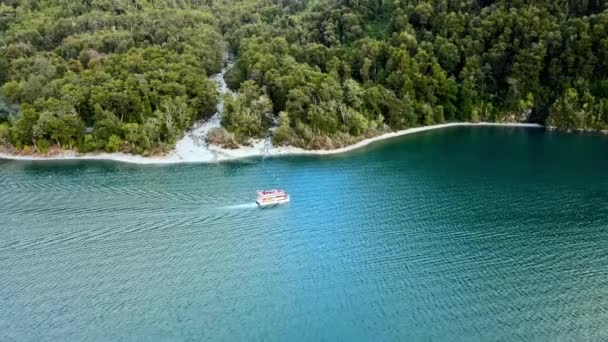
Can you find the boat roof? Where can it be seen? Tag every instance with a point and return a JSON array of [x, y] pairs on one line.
[[271, 192]]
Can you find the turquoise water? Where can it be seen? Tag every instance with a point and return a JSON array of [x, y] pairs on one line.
[[457, 234]]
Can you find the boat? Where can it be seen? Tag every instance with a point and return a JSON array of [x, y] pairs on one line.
[[267, 198]]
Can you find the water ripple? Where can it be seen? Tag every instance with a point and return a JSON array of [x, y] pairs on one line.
[[425, 238]]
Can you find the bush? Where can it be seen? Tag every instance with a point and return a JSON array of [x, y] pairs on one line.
[[113, 143], [221, 137], [344, 139], [42, 146], [438, 115], [358, 123], [243, 140], [320, 143], [5, 133], [88, 144], [283, 136], [304, 130], [373, 132]]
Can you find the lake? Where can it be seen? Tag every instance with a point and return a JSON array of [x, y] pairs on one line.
[[460, 234]]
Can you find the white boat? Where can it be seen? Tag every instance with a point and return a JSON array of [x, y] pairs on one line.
[[269, 198]]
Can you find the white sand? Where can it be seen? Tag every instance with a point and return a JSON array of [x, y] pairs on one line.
[[193, 149]]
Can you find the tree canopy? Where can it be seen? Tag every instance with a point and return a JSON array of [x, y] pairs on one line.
[[132, 75], [106, 75], [336, 70]]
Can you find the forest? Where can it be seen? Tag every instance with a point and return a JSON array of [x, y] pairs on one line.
[[133, 75]]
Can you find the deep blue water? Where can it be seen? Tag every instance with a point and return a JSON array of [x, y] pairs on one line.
[[460, 234]]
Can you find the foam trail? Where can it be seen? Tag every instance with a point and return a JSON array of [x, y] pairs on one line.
[[242, 206]]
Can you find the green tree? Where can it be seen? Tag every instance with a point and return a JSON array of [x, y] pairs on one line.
[[113, 144], [23, 126], [5, 134], [131, 132]]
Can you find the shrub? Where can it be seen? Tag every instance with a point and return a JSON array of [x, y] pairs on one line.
[[221, 137], [283, 136], [4, 134], [113, 143], [88, 144], [320, 143], [344, 139], [26, 150], [42, 146], [303, 130]]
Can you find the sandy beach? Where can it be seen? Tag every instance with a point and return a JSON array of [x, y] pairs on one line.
[[191, 149]]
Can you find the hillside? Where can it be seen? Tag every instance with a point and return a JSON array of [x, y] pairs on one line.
[[132, 75]]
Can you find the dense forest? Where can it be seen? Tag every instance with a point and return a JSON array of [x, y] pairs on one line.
[[105, 75], [132, 75]]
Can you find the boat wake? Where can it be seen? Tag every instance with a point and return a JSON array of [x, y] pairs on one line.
[[241, 206]]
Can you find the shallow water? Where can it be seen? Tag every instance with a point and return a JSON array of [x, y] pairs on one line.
[[470, 233]]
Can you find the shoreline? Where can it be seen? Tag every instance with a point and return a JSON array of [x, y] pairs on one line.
[[186, 153]]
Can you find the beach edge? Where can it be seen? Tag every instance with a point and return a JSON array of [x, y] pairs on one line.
[[217, 154]]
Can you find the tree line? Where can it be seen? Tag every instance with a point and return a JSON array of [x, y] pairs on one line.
[[105, 75], [132, 75], [339, 70]]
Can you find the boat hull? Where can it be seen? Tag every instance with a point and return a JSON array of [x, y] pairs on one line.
[[272, 203]]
